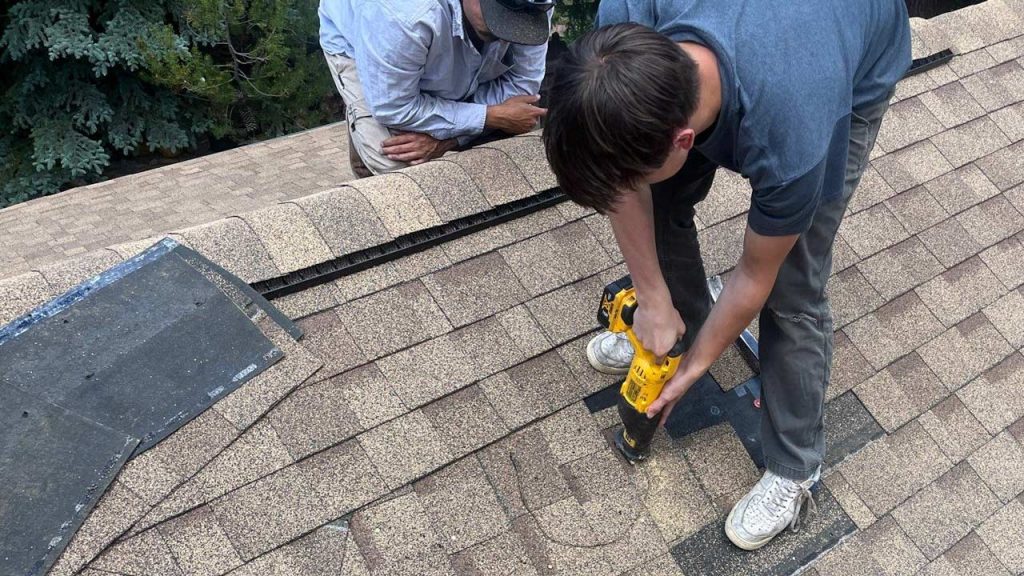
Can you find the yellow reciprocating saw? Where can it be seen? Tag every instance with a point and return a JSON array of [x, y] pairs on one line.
[[647, 373]]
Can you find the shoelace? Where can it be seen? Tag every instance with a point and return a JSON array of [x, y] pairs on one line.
[[779, 494]]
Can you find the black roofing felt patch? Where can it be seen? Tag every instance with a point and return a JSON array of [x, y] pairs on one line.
[[134, 353]]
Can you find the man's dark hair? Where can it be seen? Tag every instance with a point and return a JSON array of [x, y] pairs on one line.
[[617, 98]]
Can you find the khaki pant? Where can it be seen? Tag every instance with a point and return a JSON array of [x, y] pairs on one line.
[[366, 135]]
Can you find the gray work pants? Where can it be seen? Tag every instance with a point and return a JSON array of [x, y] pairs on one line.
[[796, 322]]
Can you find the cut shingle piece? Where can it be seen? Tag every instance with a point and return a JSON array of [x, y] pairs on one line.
[[894, 330], [232, 244], [495, 174], [947, 510], [466, 420], [320, 553], [965, 350], [1003, 533], [556, 258], [949, 242], [907, 122], [912, 166], [199, 544], [901, 392], [961, 291], [400, 203], [991, 221], [851, 296], [1005, 168], [523, 472], [345, 220], [872, 230], [1007, 315], [449, 188], [462, 505], [369, 395], [1001, 464], [392, 319], [503, 555], [952, 104], [405, 448], [1004, 260], [475, 289], [572, 433], [998, 86], [962, 188], [289, 236], [396, 538], [146, 553], [970, 141], [888, 471], [916, 209], [900, 268], [996, 398]]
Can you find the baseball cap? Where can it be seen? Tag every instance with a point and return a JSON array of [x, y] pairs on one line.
[[518, 21]]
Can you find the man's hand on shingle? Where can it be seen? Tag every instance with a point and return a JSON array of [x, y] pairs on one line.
[[517, 115]]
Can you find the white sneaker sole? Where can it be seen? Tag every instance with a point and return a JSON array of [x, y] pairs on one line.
[[740, 542], [602, 368]]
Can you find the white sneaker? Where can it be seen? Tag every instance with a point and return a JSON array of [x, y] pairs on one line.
[[610, 353], [771, 505]]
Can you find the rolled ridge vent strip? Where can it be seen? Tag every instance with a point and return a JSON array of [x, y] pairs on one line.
[[405, 245]]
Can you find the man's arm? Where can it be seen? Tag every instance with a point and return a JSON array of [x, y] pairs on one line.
[[522, 79]]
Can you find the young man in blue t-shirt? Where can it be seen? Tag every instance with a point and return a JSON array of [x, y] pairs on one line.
[[790, 95]]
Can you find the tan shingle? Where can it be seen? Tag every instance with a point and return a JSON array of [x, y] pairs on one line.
[[570, 311], [308, 301], [571, 433], [730, 369], [466, 420], [369, 395], [345, 220], [670, 491], [881, 550], [314, 417], [524, 330], [392, 319], [722, 244], [970, 141], [871, 190], [20, 294], [729, 196], [327, 337], [899, 268], [893, 330], [527, 152], [1007, 314], [65, 275], [1003, 533], [475, 289], [115, 512], [965, 350], [916, 209], [399, 202], [462, 505], [555, 258], [912, 166], [968, 557], [901, 392], [532, 389], [494, 173], [995, 398], [199, 544], [964, 65], [523, 472], [961, 291], [1001, 464], [405, 448], [849, 367], [850, 502], [719, 461], [396, 538], [146, 553], [391, 273], [449, 188], [319, 553], [872, 230], [1011, 120], [997, 87], [952, 104], [602, 229], [851, 296]]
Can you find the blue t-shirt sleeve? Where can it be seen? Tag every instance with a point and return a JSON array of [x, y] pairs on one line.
[[788, 208]]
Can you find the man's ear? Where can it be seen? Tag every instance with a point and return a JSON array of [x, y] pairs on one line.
[[683, 138]]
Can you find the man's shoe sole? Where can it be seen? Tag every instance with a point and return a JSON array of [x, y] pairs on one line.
[[740, 542], [592, 358]]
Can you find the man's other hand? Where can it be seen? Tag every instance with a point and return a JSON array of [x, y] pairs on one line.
[[415, 148], [517, 115]]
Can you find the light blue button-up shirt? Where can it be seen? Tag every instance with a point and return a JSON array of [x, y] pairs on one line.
[[419, 70]]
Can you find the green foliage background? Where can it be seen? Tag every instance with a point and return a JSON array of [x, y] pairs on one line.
[[83, 82]]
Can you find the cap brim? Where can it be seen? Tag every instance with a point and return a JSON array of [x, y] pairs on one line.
[[523, 27]]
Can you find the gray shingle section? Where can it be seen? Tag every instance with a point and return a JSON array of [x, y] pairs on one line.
[[952, 104], [1005, 168], [952, 426], [949, 242], [851, 296], [1008, 49], [872, 230], [992, 221], [1000, 463], [345, 220], [289, 236], [995, 397], [905, 123], [199, 544], [912, 166], [495, 174], [997, 87], [961, 291], [1004, 259], [962, 188], [399, 202], [963, 37], [440, 366], [842, 255], [901, 392], [916, 209], [893, 330], [527, 152], [899, 268], [1011, 121], [888, 471], [393, 319], [328, 339], [232, 244], [871, 190], [965, 351], [466, 420], [1003, 533], [462, 505], [994, 21], [970, 141], [964, 65], [475, 289], [449, 188], [556, 258], [1007, 315], [944, 512]]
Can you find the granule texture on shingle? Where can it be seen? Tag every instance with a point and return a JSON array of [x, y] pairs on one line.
[[962, 188], [851, 296], [556, 258], [965, 350], [146, 553], [392, 319], [475, 289], [345, 220], [314, 417], [905, 123], [405, 448], [996, 398], [961, 291], [449, 188], [970, 141], [235, 246], [1004, 260], [1003, 533], [319, 553], [1007, 315], [495, 174], [901, 392], [466, 420], [199, 544], [527, 152], [1005, 168], [399, 201], [894, 330], [326, 337], [1000, 463], [289, 236], [952, 104], [719, 460], [916, 209], [881, 549], [396, 538], [849, 367], [532, 389], [462, 504], [871, 190], [992, 221], [912, 166], [900, 268], [20, 294], [949, 242], [66, 275]]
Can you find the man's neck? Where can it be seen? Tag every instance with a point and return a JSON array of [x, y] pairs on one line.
[[709, 83]]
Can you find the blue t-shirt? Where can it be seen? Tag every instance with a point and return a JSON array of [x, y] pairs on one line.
[[792, 72]]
